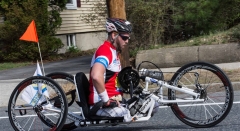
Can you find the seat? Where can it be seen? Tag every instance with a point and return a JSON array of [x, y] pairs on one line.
[[83, 90]]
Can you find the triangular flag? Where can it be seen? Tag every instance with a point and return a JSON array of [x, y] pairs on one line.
[[31, 33]]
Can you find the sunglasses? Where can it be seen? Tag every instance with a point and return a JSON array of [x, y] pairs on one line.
[[124, 37]]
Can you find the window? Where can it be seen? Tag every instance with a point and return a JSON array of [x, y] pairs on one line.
[[73, 4], [71, 40], [1, 19]]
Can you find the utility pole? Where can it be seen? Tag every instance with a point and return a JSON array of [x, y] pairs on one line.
[[116, 9]]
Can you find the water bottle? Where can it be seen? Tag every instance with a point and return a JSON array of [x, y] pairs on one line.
[[153, 74]]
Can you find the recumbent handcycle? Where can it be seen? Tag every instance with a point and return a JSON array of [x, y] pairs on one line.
[[200, 95]]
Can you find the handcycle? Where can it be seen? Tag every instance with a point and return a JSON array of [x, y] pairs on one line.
[[199, 94]]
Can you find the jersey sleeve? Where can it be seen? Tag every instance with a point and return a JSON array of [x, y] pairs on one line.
[[103, 56]]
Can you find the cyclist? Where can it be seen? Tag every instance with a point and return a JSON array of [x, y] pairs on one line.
[[105, 67]]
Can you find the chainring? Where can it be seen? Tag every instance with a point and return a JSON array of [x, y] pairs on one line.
[[127, 76]]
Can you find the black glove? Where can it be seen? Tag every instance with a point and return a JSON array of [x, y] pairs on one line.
[[110, 103]]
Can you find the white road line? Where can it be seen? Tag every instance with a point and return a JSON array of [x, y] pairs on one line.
[[236, 102]]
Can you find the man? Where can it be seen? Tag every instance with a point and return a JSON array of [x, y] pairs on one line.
[[105, 67]]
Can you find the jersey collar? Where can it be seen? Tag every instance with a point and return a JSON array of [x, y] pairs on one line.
[[110, 44]]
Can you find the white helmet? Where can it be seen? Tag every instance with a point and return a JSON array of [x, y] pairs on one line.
[[118, 25]]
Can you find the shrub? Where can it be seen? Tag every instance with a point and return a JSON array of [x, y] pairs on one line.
[[17, 16]]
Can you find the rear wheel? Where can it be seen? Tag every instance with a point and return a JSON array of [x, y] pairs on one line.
[[214, 87], [66, 81], [28, 106]]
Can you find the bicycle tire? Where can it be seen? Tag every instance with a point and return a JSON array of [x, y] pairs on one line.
[[216, 89], [24, 112], [66, 81]]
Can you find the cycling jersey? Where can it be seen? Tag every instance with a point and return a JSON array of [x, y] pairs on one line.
[[107, 55]]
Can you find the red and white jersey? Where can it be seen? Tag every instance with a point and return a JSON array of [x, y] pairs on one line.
[[107, 55]]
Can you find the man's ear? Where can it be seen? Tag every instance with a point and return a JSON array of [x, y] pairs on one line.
[[114, 35]]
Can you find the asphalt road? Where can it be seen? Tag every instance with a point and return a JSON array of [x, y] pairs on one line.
[[162, 121], [71, 66]]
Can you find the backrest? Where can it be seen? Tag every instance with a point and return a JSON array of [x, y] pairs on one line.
[[83, 90]]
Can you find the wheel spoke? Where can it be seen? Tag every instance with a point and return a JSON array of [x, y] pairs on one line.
[[31, 124], [207, 112], [27, 122], [214, 102]]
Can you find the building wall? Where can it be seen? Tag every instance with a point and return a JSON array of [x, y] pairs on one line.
[[74, 20], [88, 35], [84, 41]]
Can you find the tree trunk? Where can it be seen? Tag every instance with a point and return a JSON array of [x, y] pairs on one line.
[[116, 9]]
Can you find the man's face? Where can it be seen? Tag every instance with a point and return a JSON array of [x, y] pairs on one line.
[[122, 40]]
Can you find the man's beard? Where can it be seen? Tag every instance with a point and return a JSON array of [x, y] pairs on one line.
[[119, 50]]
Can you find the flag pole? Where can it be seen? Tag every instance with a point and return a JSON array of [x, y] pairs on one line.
[[41, 59]]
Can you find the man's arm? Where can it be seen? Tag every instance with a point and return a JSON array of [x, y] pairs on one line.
[[97, 74]]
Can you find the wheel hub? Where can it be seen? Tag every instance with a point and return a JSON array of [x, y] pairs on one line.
[[38, 108]]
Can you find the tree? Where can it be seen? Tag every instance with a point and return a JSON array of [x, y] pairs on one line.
[[116, 9], [194, 18], [157, 22], [150, 20], [17, 16]]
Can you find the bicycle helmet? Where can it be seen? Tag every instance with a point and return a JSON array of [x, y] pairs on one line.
[[118, 25]]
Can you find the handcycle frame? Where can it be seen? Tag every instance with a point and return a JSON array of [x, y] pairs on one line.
[[81, 121]]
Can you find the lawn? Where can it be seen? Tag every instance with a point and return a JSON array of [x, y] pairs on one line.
[[10, 65]]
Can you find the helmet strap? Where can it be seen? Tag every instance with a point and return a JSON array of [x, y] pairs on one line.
[[113, 39]]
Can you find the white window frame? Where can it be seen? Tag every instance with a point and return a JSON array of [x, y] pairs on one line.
[[1, 19], [72, 6], [71, 40]]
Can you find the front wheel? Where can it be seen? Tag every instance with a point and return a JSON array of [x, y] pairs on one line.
[[37, 103], [214, 87]]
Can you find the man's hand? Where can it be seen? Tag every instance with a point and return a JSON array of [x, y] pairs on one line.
[[111, 103]]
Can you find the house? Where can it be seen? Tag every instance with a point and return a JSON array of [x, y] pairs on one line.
[[83, 24]]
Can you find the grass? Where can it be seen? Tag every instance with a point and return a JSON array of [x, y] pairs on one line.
[[220, 37], [10, 65]]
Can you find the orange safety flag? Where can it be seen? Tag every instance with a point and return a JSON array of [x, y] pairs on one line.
[[31, 33]]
